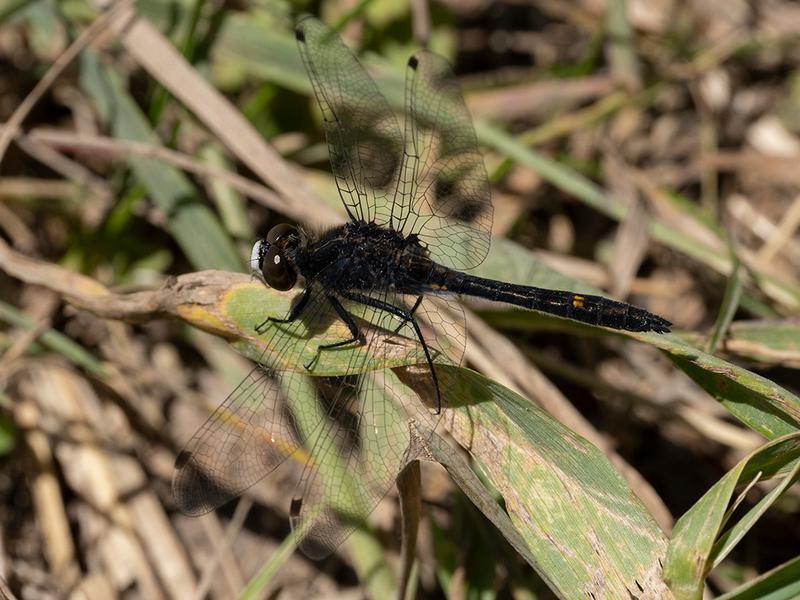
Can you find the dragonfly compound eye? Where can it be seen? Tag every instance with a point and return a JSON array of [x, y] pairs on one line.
[[276, 269]]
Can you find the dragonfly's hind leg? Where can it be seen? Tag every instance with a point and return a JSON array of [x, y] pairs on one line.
[[294, 312], [408, 317], [356, 335], [411, 313]]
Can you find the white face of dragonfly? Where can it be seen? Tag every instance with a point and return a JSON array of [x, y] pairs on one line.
[[256, 258]]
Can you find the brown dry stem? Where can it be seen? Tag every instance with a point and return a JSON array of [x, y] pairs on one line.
[[193, 297]]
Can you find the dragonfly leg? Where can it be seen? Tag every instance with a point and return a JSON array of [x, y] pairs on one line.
[[411, 312], [408, 317], [294, 313], [356, 335]]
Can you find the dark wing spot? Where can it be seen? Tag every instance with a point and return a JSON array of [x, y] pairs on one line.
[[337, 395], [444, 188], [299, 35], [413, 62], [183, 457], [362, 143], [469, 210]]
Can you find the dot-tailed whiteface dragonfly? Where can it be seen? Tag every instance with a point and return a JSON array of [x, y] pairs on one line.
[[419, 212]]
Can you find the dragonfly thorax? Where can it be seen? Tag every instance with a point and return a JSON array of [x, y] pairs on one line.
[[359, 256]]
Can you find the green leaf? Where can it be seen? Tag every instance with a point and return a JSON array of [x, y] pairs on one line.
[[46, 34], [12, 7], [257, 585], [569, 513], [54, 341], [533, 461], [730, 304], [756, 401], [247, 45], [245, 306], [692, 549], [781, 583], [231, 206], [728, 540]]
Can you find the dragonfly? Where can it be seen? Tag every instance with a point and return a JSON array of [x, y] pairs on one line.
[[385, 284]]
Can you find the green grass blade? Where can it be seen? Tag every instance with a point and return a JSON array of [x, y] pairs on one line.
[[781, 583], [54, 341], [770, 341], [730, 304], [10, 8], [762, 405], [194, 226], [257, 585], [231, 206], [557, 487], [574, 518], [689, 557], [728, 540]]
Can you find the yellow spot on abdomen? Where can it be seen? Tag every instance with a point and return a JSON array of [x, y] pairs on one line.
[[577, 301]]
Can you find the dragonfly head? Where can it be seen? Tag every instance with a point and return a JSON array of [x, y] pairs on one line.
[[268, 258]]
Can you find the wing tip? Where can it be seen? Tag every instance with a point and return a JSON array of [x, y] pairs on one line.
[[193, 510], [186, 480], [184, 456]]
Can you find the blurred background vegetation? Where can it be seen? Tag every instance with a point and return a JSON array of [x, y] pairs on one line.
[[649, 149]]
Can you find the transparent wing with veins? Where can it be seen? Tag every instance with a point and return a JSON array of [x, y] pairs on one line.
[[428, 179], [348, 434], [365, 142]]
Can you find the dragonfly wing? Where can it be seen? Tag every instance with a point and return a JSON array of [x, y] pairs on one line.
[[430, 179], [444, 327], [364, 139], [352, 465], [450, 207], [363, 444], [365, 440], [350, 431], [243, 440], [257, 426]]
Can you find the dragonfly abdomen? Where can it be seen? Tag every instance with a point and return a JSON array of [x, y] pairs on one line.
[[594, 310]]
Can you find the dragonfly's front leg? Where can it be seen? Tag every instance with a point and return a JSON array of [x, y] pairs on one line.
[[294, 312]]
